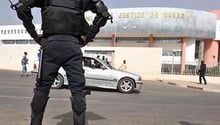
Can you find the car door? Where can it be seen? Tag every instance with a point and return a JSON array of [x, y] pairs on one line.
[[96, 73]]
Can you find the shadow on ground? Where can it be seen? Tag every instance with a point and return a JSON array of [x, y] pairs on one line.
[[96, 89], [66, 118], [188, 123]]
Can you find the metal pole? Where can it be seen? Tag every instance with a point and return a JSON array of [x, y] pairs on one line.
[[172, 69], [172, 64]]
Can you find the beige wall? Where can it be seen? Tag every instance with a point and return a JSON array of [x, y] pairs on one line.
[[141, 60], [11, 56]]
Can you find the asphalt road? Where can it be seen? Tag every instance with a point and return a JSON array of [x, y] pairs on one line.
[[156, 104]]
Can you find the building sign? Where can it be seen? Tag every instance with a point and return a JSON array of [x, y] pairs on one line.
[[131, 15], [136, 14], [165, 21]]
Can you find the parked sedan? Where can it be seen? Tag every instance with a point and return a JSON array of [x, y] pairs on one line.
[[100, 74]]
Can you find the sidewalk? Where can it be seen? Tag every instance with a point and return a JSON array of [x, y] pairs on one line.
[[191, 82]]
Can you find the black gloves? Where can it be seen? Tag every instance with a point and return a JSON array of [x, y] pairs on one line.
[[39, 40], [90, 35]]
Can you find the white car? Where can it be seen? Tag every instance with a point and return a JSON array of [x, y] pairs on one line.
[[102, 75]]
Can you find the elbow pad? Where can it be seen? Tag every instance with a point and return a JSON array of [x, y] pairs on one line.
[[99, 21], [23, 12]]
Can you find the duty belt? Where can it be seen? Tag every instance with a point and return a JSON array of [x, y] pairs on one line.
[[63, 3], [62, 38]]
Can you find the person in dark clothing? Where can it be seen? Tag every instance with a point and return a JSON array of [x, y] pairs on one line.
[[24, 62], [202, 72], [65, 31]]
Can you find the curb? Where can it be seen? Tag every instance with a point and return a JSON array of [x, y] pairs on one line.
[[171, 83], [194, 87]]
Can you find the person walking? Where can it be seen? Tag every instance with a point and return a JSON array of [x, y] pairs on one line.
[[202, 72], [123, 66], [24, 62], [39, 55], [65, 31]]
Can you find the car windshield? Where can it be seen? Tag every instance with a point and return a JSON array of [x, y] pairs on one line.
[[96, 63], [108, 64]]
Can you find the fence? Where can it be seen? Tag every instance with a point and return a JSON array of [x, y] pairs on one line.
[[190, 69]]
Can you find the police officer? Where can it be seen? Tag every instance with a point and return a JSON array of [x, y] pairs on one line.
[[65, 30]]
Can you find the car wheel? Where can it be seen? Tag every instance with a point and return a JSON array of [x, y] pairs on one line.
[[58, 82], [126, 85]]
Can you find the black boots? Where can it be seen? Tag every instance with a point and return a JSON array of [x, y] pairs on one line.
[[78, 102], [38, 105], [79, 109]]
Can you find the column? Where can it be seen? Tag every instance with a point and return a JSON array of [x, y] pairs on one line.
[[113, 40], [183, 57], [151, 41]]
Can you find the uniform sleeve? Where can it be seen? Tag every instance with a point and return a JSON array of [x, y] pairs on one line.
[[23, 9]]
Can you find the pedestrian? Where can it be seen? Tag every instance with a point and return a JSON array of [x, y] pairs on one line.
[[39, 55], [103, 58], [123, 66], [107, 62], [65, 31], [202, 72], [24, 62]]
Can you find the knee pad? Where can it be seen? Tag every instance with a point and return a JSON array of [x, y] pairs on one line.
[[78, 103], [40, 98], [41, 92]]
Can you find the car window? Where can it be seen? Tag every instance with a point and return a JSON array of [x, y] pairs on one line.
[[92, 63], [87, 62]]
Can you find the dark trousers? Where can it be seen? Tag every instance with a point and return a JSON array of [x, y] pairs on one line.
[[58, 50], [202, 76]]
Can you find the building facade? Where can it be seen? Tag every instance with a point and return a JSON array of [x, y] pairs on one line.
[[185, 36]]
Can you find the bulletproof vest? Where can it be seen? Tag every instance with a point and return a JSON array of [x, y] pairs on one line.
[[64, 17]]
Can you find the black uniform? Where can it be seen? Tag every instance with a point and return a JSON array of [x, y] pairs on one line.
[[65, 30], [202, 72]]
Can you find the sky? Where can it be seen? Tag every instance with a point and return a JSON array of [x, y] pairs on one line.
[[9, 17]]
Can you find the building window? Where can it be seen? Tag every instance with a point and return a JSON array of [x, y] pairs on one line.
[[171, 53], [8, 42], [132, 39], [22, 41], [197, 46], [32, 42], [102, 40], [168, 40], [18, 42]]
